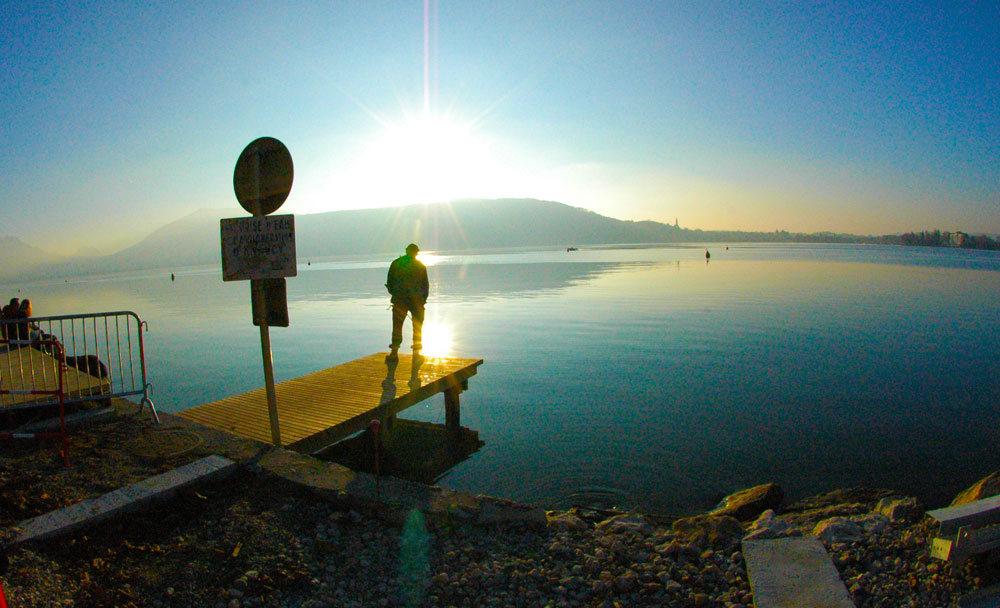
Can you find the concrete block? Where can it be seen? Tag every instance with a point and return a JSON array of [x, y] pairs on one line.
[[113, 503], [138, 492], [44, 526], [173, 480], [792, 573]]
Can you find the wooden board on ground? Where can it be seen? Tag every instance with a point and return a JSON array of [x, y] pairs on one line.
[[28, 368], [319, 409]]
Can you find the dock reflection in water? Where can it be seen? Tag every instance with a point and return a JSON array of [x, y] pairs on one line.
[[418, 451]]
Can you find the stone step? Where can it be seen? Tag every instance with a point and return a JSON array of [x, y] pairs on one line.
[[123, 499], [794, 572]]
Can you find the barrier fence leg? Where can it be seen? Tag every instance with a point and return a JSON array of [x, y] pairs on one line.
[[3, 571]]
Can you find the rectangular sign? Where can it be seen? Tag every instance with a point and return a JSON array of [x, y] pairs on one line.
[[273, 298], [258, 247]]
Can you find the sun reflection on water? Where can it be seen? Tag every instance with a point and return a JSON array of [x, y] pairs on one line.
[[429, 259], [437, 339]]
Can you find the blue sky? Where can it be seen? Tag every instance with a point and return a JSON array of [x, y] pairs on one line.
[[855, 117]]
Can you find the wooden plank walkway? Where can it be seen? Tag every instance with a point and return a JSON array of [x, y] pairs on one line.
[[319, 409], [28, 368]]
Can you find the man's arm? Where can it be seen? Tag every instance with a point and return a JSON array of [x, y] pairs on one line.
[[425, 287], [390, 279]]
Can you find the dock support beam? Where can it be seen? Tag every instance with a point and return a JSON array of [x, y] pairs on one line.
[[452, 411]]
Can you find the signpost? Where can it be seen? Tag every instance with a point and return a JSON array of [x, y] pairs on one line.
[[261, 249]]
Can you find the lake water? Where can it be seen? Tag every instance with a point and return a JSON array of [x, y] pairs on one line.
[[638, 377]]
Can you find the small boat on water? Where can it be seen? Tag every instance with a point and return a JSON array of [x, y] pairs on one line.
[[571, 249]]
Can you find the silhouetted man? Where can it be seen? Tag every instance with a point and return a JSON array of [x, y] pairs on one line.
[[407, 283]]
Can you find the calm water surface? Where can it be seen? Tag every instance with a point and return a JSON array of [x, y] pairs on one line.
[[639, 377]]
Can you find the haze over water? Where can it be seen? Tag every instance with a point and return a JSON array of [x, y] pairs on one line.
[[639, 377]]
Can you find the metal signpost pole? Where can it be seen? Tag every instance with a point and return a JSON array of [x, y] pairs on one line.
[[257, 293], [262, 249], [265, 351], [265, 334]]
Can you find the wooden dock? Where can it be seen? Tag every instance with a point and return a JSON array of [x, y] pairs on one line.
[[319, 409], [28, 368]]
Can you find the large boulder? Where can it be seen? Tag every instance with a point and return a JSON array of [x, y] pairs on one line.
[[565, 520], [838, 530], [900, 509], [627, 522], [769, 525], [984, 488], [747, 505], [708, 530]]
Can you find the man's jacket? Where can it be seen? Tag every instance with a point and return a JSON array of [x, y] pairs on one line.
[[407, 280]]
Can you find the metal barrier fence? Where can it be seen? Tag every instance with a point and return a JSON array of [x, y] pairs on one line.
[[105, 357]]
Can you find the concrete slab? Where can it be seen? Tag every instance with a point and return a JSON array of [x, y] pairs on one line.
[[39, 527], [124, 499], [114, 501], [138, 492], [977, 513], [793, 572]]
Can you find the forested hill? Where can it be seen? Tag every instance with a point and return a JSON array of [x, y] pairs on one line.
[[459, 225]]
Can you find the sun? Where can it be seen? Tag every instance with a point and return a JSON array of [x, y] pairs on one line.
[[432, 160], [422, 161], [425, 155]]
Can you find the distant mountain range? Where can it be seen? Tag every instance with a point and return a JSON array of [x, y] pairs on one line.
[[459, 225], [23, 260]]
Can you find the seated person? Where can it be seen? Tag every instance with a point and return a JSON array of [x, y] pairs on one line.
[[26, 330], [9, 312]]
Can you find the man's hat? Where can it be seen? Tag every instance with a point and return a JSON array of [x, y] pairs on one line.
[[413, 247]]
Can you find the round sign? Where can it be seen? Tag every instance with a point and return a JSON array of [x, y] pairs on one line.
[[263, 176]]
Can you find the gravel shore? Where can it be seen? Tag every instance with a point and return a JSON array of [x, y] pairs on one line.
[[256, 540]]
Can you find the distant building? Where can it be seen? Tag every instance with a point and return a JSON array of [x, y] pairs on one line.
[[957, 239]]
